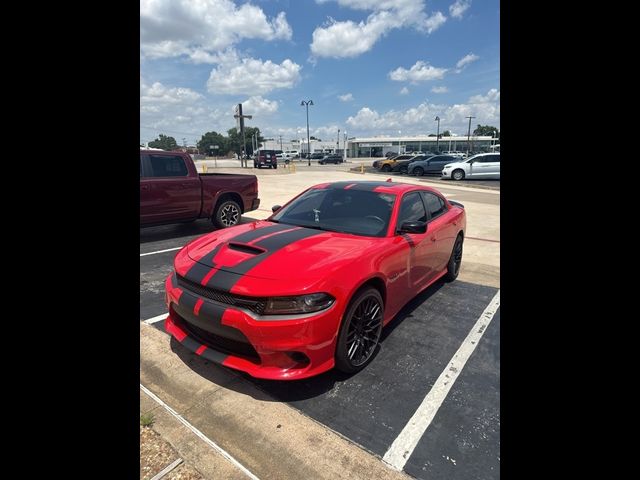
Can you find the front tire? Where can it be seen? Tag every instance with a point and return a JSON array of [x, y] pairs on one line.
[[453, 267], [360, 331], [386, 168], [457, 174], [419, 171], [227, 214]]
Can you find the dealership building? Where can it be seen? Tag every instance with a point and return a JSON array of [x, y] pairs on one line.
[[379, 146]]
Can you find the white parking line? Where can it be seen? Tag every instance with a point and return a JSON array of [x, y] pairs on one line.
[[160, 251], [208, 441], [156, 319], [406, 442]]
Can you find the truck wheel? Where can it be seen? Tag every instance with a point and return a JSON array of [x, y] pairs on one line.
[[275, 166], [227, 214]]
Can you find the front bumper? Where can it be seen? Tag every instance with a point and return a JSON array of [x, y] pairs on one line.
[[446, 174], [236, 338]]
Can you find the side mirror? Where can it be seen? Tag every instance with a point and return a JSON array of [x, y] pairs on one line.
[[413, 227], [472, 162], [275, 208]]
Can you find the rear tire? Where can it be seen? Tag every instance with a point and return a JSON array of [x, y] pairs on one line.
[[455, 260], [419, 171], [386, 168], [227, 214], [360, 331]]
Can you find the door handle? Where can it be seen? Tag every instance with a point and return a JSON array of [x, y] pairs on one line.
[[144, 187], [433, 239]]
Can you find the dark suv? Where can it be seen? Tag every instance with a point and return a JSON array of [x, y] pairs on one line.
[[333, 158], [267, 158]]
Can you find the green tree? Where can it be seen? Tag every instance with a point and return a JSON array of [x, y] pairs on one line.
[[446, 133], [486, 131], [235, 139], [213, 138], [164, 142], [314, 138]]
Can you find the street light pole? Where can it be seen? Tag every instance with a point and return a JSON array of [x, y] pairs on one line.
[[338, 142], [438, 136], [469, 134], [306, 104], [399, 141], [344, 150]]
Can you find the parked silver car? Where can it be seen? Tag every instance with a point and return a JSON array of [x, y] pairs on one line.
[[483, 165]]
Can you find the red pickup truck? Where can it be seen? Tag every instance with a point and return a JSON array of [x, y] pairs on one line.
[[172, 191]]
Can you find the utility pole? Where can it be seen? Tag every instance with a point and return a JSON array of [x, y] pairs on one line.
[[338, 142], [240, 117], [469, 133], [280, 142], [438, 136]]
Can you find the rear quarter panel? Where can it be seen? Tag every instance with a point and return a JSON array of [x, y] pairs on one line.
[[214, 185]]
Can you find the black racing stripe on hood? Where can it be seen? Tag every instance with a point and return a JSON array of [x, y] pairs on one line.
[[226, 279], [251, 235], [199, 269], [202, 267]]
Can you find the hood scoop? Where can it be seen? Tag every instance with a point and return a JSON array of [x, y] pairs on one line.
[[246, 248]]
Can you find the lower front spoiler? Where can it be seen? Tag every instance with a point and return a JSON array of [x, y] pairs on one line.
[[277, 366]]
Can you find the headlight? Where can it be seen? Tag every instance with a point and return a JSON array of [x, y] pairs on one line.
[[299, 304], [446, 166]]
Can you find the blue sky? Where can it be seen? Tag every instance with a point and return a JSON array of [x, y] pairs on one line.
[[371, 67]]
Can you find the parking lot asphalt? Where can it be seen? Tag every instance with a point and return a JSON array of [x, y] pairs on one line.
[[371, 408]]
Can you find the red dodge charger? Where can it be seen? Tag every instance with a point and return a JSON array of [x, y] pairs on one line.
[[312, 286]]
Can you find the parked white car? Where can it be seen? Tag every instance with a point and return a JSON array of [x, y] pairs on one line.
[[483, 165], [288, 154]]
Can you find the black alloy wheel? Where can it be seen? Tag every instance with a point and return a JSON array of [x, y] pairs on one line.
[[360, 331], [453, 267]]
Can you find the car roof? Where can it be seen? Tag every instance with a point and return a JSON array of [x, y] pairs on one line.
[[377, 186]]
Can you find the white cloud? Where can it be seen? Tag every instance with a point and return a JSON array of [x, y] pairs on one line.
[[347, 97], [404, 91], [441, 89], [457, 9], [178, 112], [419, 72], [259, 106], [235, 75], [434, 22], [170, 28], [340, 39], [157, 93], [466, 60], [486, 109]]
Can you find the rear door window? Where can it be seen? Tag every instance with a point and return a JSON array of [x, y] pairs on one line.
[[167, 166], [435, 205]]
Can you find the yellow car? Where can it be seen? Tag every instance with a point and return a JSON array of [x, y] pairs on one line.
[[388, 164]]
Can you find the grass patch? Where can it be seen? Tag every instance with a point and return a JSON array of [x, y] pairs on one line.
[[147, 419]]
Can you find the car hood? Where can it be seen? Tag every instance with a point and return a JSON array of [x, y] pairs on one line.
[[277, 251]]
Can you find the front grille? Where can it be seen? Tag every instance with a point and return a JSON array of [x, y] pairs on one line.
[[221, 344], [255, 304]]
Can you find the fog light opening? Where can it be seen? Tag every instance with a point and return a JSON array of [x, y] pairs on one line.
[[299, 358]]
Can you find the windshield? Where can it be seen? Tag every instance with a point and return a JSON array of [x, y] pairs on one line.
[[340, 210]]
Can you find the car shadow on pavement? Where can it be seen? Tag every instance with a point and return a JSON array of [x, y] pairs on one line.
[[296, 390]]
